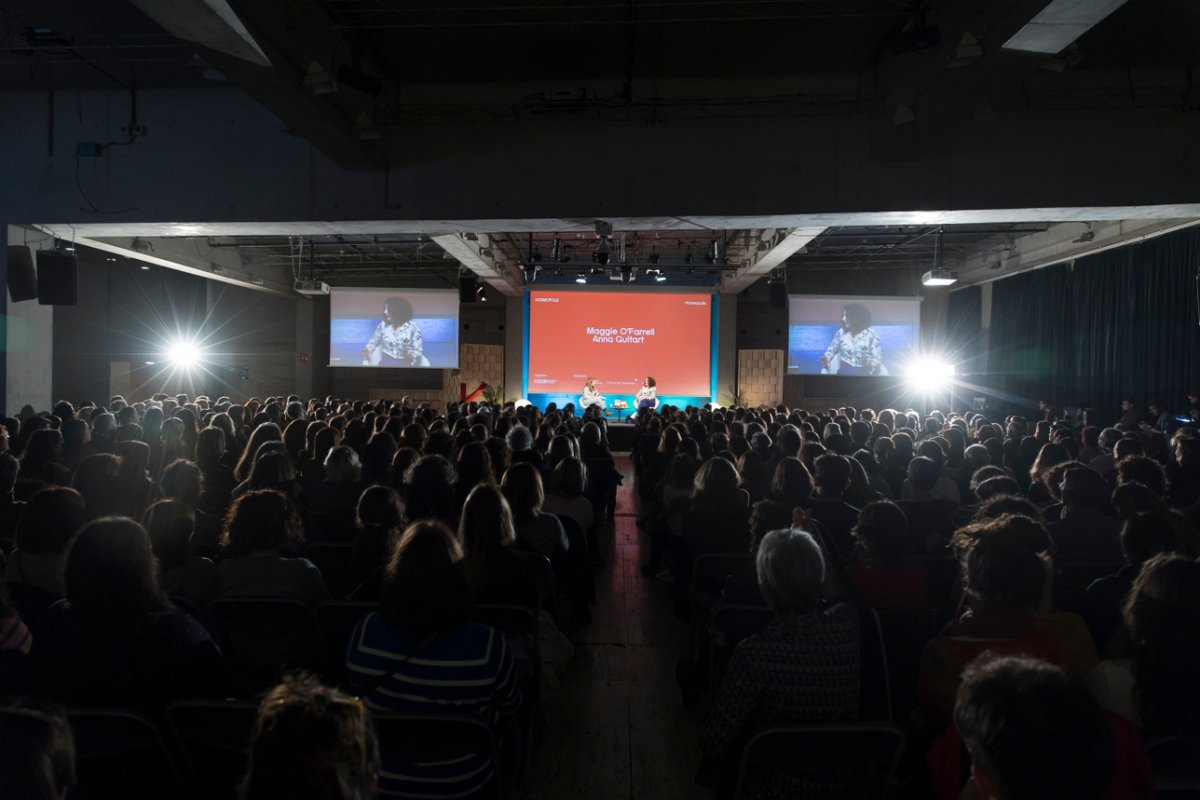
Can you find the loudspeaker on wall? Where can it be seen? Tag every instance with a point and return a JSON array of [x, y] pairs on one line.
[[779, 294], [56, 278], [22, 278]]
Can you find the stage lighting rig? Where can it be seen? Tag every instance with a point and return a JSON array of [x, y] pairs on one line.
[[530, 271], [600, 255]]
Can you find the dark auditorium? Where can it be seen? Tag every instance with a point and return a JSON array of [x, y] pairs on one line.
[[600, 400]]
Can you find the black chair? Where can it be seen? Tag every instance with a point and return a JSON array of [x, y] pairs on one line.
[[1176, 761], [543, 574], [875, 694], [431, 737], [193, 610], [214, 738], [336, 562], [335, 622], [729, 624], [119, 754], [519, 625], [857, 761], [264, 637], [943, 579], [1071, 580], [704, 591], [904, 635]]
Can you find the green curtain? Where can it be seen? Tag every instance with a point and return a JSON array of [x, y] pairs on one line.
[[1087, 333]]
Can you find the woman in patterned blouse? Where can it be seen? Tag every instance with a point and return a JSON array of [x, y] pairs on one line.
[[855, 349], [397, 340]]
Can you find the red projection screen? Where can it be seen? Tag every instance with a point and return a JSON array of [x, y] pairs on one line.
[[619, 338]]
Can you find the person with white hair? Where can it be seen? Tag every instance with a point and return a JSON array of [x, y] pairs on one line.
[[803, 668]]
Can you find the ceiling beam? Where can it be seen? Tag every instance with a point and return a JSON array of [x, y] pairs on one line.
[[211, 23], [186, 255], [478, 254], [775, 247], [1059, 24]]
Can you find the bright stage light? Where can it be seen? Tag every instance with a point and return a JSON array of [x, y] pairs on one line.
[[928, 374], [184, 354]]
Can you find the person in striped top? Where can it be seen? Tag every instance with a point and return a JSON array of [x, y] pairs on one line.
[[419, 652]]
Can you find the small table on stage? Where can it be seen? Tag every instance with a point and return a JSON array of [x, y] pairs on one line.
[[620, 409]]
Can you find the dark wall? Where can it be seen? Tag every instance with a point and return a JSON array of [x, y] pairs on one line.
[[124, 313]]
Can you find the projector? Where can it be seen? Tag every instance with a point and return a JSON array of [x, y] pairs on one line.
[[939, 277], [311, 288]]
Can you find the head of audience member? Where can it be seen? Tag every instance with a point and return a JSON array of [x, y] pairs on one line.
[[37, 761], [1032, 732], [311, 741], [831, 476], [522, 487], [1000, 504], [1083, 488], [882, 533], [519, 438], [9, 468], [265, 432], [1143, 470], [380, 519], [429, 490], [1162, 614], [50, 520], [1048, 455], [923, 475], [791, 569], [569, 478], [261, 521], [475, 466], [792, 482], [716, 489], [111, 570], [44, 447], [342, 466], [169, 524], [183, 481], [273, 470], [767, 516], [1006, 564], [1001, 484], [424, 591]]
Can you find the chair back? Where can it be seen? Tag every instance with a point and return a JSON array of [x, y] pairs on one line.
[[214, 738], [335, 622], [430, 737], [943, 579], [847, 761], [1176, 762], [120, 754], [336, 562], [193, 610], [1071, 580], [875, 693], [264, 637], [729, 624]]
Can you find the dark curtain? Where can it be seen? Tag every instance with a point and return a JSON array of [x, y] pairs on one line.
[[964, 321], [1088, 333]]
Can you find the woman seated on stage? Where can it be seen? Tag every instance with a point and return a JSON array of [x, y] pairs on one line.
[[591, 395], [647, 396]]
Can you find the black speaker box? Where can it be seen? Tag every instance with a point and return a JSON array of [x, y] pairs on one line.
[[22, 278], [468, 288], [779, 294], [56, 278]]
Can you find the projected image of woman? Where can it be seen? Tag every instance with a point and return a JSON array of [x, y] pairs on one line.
[[647, 396], [855, 349], [397, 339]]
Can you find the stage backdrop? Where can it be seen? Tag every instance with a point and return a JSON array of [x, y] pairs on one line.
[[813, 321], [355, 316], [619, 338]]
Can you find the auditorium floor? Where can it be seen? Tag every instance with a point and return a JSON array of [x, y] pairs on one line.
[[617, 728]]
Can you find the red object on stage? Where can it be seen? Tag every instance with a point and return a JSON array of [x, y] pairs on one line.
[[473, 396]]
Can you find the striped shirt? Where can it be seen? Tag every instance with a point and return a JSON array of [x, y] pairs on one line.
[[468, 670]]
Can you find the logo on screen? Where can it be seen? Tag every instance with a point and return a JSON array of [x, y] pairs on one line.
[[694, 303], [545, 299]]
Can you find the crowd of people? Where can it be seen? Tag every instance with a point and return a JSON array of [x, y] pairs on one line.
[[1031, 584]]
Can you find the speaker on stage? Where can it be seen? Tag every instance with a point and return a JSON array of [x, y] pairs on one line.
[[22, 278], [56, 278], [468, 288], [779, 294]]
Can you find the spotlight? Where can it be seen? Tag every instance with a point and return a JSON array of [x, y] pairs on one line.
[[928, 374], [531, 272], [597, 271], [653, 259], [184, 354], [483, 298], [580, 277], [939, 277], [626, 273], [558, 272], [600, 256], [660, 277]]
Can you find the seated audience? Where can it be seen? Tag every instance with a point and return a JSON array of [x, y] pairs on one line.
[[141, 652], [831, 479], [880, 569], [181, 572], [495, 572], [37, 761], [1084, 533], [262, 532], [419, 652], [34, 572], [804, 668]]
